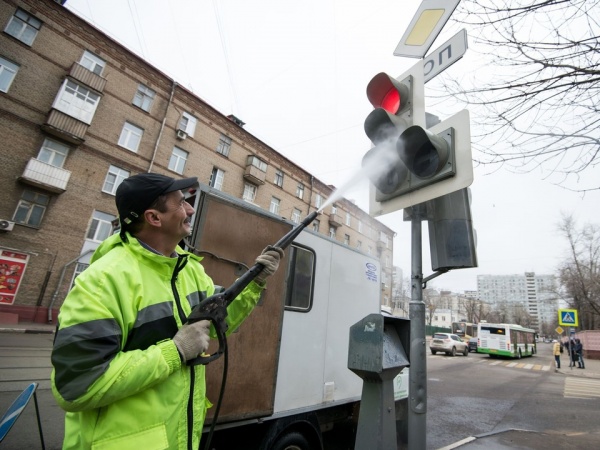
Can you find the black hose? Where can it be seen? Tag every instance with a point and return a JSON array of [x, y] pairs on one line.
[[220, 400]]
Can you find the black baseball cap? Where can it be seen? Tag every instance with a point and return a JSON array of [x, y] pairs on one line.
[[135, 194]]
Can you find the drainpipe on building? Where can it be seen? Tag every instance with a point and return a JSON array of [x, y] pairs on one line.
[[162, 126], [45, 283], [62, 276], [312, 182]]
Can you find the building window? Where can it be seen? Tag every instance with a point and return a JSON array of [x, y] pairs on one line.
[[113, 179], [31, 208], [101, 226], [347, 239], [318, 201], [131, 137], [224, 145], [359, 245], [144, 97], [300, 191], [256, 162], [79, 268], [76, 101], [369, 250], [383, 238], [348, 219], [178, 159], [8, 71], [53, 153], [216, 179], [360, 226], [249, 192], [278, 178], [23, 26], [333, 209], [274, 208], [316, 225], [187, 123], [92, 62], [296, 215], [332, 232], [301, 279]]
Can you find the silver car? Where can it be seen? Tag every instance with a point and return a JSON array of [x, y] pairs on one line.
[[448, 343]]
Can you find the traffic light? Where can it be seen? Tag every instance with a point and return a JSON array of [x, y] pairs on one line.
[[392, 100], [409, 163]]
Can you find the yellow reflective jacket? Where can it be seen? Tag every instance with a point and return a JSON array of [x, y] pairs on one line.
[[117, 372]]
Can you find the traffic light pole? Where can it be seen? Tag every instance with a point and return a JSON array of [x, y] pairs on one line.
[[417, 380]]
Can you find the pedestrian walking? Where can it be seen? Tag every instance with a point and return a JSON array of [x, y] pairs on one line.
[[579, 354], [122, 346], [556, 350]]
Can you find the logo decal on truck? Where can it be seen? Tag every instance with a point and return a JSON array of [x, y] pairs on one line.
[[371, 271]]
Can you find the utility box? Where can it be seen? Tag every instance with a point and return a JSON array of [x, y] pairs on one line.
[[378, 350]]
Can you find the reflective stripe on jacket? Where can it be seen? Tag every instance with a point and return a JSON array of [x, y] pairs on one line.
[[117, 372]]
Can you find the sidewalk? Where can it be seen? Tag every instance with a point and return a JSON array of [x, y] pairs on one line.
[[592, 368]]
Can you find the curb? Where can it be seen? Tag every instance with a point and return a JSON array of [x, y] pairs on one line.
[[26, 330]]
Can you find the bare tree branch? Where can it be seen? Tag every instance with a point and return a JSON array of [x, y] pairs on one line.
[[537, 93]]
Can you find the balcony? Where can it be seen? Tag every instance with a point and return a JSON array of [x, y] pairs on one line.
[[254, 175], [65, 127], [45, 176], [335, 220], [87, 77]]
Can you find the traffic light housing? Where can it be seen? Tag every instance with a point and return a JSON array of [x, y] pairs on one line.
[[452, 237], [409, 163]]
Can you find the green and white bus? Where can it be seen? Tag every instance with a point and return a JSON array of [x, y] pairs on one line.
[[503, 339]]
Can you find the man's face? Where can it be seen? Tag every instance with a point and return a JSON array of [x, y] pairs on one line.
[[176, 220]]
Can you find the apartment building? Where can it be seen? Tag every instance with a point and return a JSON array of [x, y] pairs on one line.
[[536, 293], [78, 114]]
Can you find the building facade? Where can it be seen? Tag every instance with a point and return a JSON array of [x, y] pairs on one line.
[[79, 113], [536, 293]]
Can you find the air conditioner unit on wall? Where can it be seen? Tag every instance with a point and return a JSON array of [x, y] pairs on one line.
[[181, 134], [6, 225]]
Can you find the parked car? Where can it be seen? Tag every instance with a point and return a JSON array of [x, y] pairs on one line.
[[448, 343], [473, 344]]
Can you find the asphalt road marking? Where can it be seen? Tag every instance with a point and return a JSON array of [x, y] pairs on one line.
[[576, 387], [511, 364]]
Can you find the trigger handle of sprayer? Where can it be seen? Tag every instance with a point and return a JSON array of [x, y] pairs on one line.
[[214, 309]]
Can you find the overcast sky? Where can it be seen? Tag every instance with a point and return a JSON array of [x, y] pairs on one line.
[[296, 73]]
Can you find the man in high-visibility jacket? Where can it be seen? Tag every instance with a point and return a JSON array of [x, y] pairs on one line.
[[121, 346]]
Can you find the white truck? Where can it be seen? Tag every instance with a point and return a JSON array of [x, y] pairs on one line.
[[287, 376]]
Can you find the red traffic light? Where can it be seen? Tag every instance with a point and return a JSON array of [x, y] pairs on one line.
[[387, 93]]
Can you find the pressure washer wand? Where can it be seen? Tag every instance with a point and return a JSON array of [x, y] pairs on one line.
[[214, 308]]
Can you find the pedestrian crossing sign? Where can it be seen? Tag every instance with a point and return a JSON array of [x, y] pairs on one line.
[[568, 317]]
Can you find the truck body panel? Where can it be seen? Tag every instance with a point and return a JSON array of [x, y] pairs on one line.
[[314, 347], [287, 366]]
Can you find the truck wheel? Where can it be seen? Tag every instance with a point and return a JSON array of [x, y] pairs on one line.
[[292, 441]]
